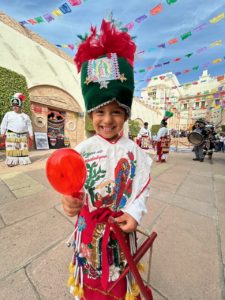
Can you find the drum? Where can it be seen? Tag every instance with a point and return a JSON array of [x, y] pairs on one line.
[[195, 138]]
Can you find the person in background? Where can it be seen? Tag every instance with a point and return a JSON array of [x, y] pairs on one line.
[[163, 142], [198, 149], [16, 128], [118, 171], [221, 142], [144, 137], [210, 139]]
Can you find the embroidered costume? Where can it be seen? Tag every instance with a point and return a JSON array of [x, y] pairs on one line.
[[118, 173], [163, 145], [117, 181], [163, 139], [16, 127], [144, 137]]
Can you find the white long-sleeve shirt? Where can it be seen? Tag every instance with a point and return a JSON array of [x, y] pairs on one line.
[[144, 132], [16, 122], [163, 131], [116, 170]]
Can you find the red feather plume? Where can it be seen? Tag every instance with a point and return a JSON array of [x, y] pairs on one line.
[[20, 96], [110, 40]]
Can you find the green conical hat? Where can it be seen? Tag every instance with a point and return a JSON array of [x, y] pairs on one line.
[[99, 90], [106, 64]]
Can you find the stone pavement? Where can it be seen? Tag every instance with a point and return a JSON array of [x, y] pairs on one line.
[[186, 209]]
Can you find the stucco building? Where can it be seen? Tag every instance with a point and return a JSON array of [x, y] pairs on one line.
[[203, 98], [53, 83]]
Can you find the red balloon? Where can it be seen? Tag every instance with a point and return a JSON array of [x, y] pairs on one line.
[[66, 171]]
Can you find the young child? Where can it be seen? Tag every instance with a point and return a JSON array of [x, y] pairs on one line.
[[118, 171]]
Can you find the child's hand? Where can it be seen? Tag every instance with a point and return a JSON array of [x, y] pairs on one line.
[[126, 223], [72, 205]]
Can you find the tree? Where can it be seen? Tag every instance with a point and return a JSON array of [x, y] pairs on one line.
[[155, 129], [134, 128], [11, 83]]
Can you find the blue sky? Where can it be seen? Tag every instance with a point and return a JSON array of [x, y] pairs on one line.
[[175, 19]]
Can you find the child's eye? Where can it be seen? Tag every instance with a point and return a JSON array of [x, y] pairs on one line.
[[99, 112], [117, 112]]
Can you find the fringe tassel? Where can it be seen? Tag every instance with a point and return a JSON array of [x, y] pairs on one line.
[[14, 153], [68, 242], [135, 289], [132, 288], [16, 140], [71, 281], [75, 281], [141, 267]]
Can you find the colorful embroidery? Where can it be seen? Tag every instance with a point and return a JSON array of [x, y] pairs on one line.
[[123, 202], [103, 70], [81, 224], [94, 174], [114, 273], [108, 193], [127, 191]]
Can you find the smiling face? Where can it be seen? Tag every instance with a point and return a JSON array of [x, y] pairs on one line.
[[108, 120]]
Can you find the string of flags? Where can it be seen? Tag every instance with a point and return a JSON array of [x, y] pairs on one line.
[[188, 55], [184, 36], [186, 71], [154, 11], [211, 100], [65, 8], [171, 75], [48, 17], [214, 101]]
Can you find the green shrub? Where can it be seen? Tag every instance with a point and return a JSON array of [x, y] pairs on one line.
[[134, 127], [11, 83], [155, 129]]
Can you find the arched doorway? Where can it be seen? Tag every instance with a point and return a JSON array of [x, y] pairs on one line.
[[56, 113]]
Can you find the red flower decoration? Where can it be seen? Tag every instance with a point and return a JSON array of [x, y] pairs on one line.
[[130, 155], [129, 186], [98, 203]]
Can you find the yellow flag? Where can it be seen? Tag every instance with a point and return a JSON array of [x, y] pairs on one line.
[[216, 61], [57, 12], [216, 43], [217, 18]]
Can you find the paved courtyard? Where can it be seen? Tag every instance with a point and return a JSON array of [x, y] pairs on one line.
[[186, 209]]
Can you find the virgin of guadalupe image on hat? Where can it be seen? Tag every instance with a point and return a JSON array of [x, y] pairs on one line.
[[106, 65]]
